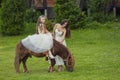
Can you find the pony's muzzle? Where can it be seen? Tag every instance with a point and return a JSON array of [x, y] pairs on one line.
[[70, 69]]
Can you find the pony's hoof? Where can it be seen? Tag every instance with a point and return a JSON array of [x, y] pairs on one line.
[[18, 72], [50, 69], [26, 71], [60, 68]]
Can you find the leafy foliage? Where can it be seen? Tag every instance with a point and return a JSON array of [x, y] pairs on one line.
[[13, 16], [98, 11], [49, 24], [69, 9], [32, 15]]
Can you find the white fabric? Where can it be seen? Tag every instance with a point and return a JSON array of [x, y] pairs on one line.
[[39, 31], [59, 60], [38, 42], [58, 37], [50, 55]]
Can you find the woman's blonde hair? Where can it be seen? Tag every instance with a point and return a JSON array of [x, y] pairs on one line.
[[39, 22], [39, 19], [57, 24], [68, 33]]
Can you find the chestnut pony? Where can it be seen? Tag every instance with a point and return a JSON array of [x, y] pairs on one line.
[[22, 55]]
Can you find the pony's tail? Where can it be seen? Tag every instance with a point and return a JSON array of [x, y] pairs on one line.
[[17, 58]]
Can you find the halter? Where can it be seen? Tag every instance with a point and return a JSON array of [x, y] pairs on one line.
[[67, 57], [67, 60]]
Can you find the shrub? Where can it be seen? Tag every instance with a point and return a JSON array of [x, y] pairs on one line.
[[49, 24], [30, 28], [93, 25], [98, 25], [98, 10], [12, 17], [32, 15], [69, 9]]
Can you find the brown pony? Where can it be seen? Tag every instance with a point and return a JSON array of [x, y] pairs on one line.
[[22, 55]]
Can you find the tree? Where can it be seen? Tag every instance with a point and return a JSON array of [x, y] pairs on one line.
[[98, 10], [13, 15], [32, 15], [69, 9]]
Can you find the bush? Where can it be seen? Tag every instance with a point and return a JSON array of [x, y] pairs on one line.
[[113, 25], [32, 15], [30, 28], [69, 9], [12, 17], [49, 24], [93, 25], [98, 25], [98, 11]]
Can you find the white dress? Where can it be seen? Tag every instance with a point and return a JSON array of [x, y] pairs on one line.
[[58, 37], [38, 43]]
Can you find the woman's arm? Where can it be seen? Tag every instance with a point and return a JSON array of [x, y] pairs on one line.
[[53, 33]]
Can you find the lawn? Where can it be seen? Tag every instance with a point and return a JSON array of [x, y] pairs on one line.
[[96, 52]]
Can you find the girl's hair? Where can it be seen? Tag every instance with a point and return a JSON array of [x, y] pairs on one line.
[[57, 24], [43, 28], [39, 22], [68, 34]]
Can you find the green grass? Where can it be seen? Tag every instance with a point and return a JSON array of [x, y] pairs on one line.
[[96, 52]]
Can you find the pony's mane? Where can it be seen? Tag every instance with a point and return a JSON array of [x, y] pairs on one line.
[[60, 49]]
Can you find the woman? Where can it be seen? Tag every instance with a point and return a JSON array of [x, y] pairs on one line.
[[39, 30], [60, 32], [40, 42]]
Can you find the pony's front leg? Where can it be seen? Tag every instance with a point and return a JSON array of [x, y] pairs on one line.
[[51, 68]]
